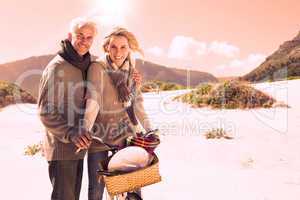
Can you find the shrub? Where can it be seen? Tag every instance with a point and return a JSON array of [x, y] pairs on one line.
[[11, 94], [229, 95], [31, 150], [217, 134], [204, 89], [153, 86]]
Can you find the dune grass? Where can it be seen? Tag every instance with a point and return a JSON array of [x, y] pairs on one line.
[[12, 94], [156, 86], [227, 95], [218, 133]]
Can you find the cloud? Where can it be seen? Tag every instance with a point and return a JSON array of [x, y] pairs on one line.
[[223, 48], [256, 58], [240, 66], [156, 51], [253, 60], [185, 48]]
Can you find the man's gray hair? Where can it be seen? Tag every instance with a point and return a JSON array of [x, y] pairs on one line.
[[80, 22]]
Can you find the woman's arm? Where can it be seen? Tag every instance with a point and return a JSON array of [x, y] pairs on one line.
[[140, 112], [94, 94], [90, 114]]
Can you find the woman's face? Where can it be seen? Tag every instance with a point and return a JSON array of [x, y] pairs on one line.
[[118, 49]]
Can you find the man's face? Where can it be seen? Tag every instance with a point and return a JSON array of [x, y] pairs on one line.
[[118, 49], [82, 40]]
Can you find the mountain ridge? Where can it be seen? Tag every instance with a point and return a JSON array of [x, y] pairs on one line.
[[284, 63], [31, 69]]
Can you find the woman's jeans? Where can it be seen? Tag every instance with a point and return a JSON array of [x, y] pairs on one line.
[[95, 188]]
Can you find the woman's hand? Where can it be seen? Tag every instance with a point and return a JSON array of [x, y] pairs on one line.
[[137, 77]]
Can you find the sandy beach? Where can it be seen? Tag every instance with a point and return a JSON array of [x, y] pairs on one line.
[[262, 162]]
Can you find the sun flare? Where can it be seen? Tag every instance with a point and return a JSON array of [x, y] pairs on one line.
[[113, 7]]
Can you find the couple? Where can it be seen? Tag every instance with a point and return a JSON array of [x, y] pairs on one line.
[[79, 97]]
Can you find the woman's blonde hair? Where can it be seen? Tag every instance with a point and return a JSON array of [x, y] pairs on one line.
[[132, 41]]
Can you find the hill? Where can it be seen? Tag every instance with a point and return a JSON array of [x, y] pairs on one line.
[[27, 72], [283, 64]]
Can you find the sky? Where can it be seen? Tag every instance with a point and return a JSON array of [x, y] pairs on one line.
[[225, 37]]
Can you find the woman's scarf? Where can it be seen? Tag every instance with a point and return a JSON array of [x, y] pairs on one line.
[[123, 82], [122, 79]]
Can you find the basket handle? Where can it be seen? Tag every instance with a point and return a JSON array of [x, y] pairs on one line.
[[110, 147], [108, 173]]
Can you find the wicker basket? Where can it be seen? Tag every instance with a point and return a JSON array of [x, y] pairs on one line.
[[133, 180]]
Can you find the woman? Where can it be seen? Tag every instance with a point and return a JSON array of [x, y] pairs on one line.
[[113, 101]]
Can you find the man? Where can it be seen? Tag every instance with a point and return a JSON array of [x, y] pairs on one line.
[[61, 106]]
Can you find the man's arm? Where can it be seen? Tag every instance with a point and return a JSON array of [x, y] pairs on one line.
[[52, 110]]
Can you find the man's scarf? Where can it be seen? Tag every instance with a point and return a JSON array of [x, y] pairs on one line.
[[68, 53], [71, 56]]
